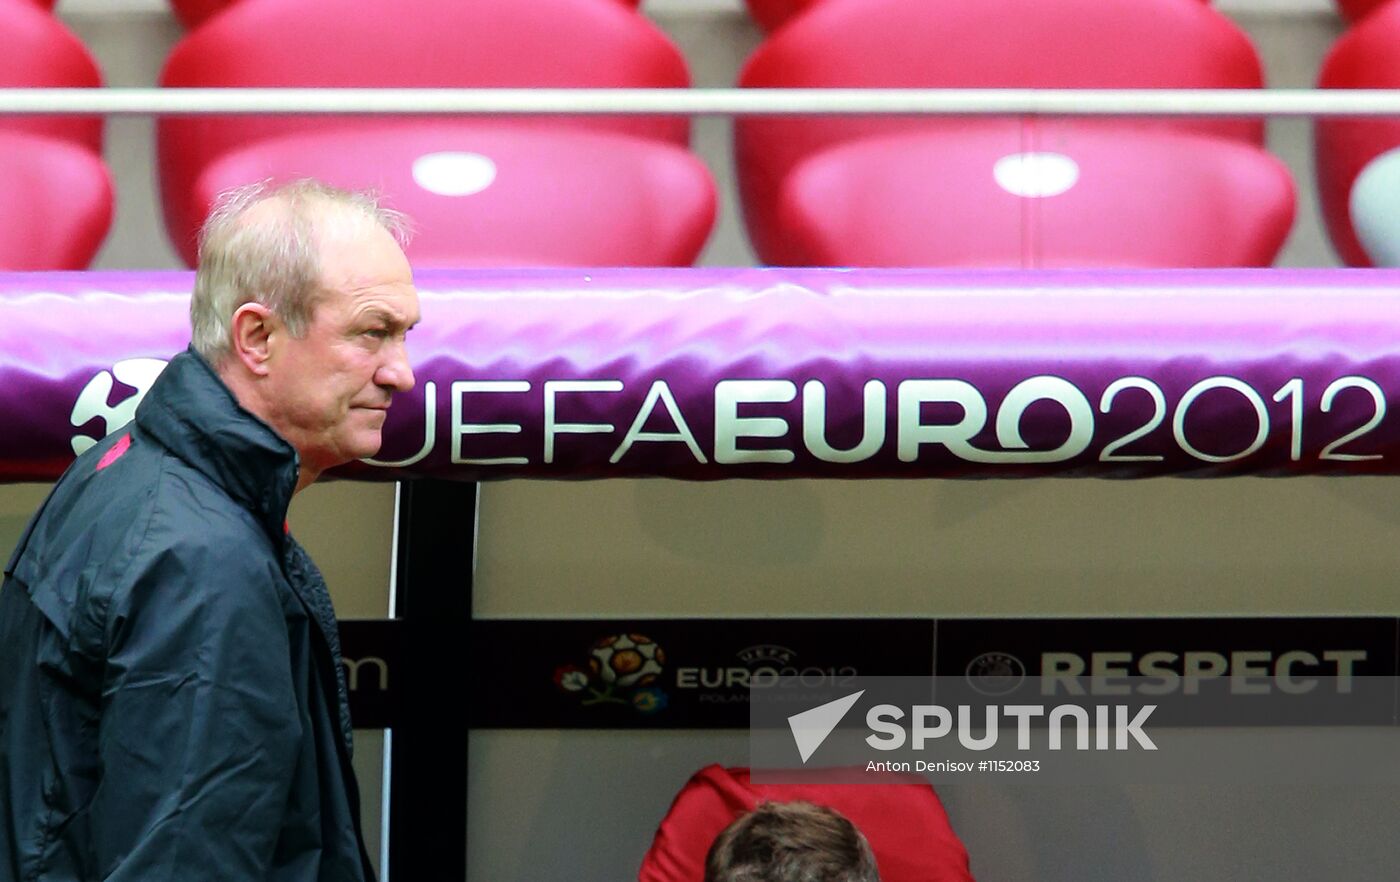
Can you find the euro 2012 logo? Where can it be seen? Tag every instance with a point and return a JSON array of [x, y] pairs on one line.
[[621, 669]]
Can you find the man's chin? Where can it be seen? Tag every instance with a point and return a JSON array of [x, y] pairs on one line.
[[363, 446]]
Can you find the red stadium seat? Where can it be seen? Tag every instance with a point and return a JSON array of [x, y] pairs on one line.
[[989, 44], [1125, 199], [540, 168], [1355, 10], [1357, 206], [772, 14], [193, 13], [904, 822], [55, 192]]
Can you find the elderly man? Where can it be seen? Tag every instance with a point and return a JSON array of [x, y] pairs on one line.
[[172, 706]]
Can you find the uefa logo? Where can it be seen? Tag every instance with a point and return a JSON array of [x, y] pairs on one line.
[[995, 673], [766, 654]]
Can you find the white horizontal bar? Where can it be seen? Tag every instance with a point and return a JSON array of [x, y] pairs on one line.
[[706, 102], [661, 8]]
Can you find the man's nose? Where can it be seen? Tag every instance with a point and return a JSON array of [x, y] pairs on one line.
[[396, 373]]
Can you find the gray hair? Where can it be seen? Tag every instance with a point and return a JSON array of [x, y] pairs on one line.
[[272, 260]]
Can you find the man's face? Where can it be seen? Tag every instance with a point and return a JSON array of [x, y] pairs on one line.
[[331, 388]]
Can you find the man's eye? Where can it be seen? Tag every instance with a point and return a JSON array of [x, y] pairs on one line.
[[377, 333]]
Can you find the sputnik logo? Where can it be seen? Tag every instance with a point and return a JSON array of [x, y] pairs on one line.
[[811, 727]]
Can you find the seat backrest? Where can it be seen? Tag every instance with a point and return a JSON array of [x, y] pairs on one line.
[[1366, 57], [903, 820], [1063, 44], [434, 43], [193, 13], [407, 44], [1047, 44], [773, 14], [1355, 10], [39, 52]]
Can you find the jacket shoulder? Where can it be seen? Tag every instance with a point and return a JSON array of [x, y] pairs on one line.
[[112, 517]]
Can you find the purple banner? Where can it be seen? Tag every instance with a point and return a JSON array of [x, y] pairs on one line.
[[710, 374]]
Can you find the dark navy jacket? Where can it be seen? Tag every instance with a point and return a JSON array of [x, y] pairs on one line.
[[172, 706]]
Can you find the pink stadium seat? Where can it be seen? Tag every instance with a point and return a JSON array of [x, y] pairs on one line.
[[792, 194], [904, 822], [612, 199], [55, 203], [55, 192], [1354, 160], [40, 52], [193, 13], [482, 190], [1129, 199]]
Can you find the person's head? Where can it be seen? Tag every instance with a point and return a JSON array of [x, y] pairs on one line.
[[791, 842], [301, 302]]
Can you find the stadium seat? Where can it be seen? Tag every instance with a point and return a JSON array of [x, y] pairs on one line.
[[1355, 179], [39, 52], [904, 821], [612, 200], [55, 203], [772, 14], [193, 13], [55, 191], [1125, 199], [483, 191], [792, 194], [1355, 10]]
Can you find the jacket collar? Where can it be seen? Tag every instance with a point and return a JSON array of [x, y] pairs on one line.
[[191, 413]]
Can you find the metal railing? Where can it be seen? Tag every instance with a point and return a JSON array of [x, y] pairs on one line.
[[708, 102]]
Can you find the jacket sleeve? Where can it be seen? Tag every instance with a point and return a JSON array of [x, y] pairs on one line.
[[200, 726]]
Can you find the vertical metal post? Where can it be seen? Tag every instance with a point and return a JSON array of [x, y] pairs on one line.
[[433, 598]]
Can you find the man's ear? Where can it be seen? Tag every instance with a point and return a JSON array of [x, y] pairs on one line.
[[253, 328]]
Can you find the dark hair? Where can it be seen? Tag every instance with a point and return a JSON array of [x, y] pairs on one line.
[[791, 842]]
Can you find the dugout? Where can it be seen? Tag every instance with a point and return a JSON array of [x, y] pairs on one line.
[[568, 562], [821, 531]]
